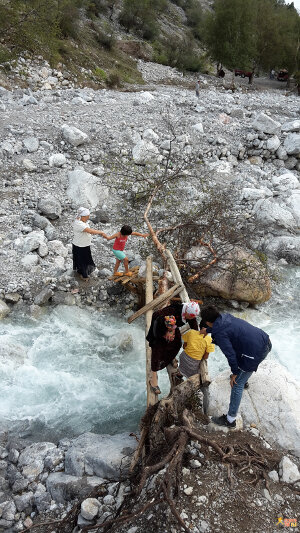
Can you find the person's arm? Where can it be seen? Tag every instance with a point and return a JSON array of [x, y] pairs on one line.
[[224, 343], [137, 234], [114, 236], [93, 231]]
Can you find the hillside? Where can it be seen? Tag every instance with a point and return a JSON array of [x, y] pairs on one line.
[[98, 43]]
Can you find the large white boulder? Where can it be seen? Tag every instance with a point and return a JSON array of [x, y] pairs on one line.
[[150, 135], [56, 247], [288, 471], [285, 181], [271, 213], [33, 240], [293, 125], [266, 124], [271, 403], [145, 97], [84, 188], [144, 152], [251, 194], [292, 144], [73, 135], [50, 207]]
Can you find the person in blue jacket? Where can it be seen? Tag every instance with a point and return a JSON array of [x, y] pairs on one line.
[[244, 346]]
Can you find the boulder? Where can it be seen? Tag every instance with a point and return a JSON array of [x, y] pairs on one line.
[[29, 261], [263, 122], [293, 125], [144, 97], [33, 240], [284, 247], [150, 135], [50, 207], [29, 165], [57, 247], [31, 144], [63, 298], [99, 455], [35, 452], [271, 403], [4, 309], [65, 488], [285, 181], [85, 188], [144, 152], [288, 471], [293, 205], [73, 135], [237, 276], [270, 212], [251, 194], [57, 160], [43, 296], [292, 144]]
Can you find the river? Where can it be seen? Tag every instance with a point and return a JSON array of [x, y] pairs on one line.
[[76, 370]]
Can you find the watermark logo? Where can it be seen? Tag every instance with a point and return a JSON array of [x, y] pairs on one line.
[[287, 522]]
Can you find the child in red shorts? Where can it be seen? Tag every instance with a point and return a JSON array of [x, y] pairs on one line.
[[119, 245]]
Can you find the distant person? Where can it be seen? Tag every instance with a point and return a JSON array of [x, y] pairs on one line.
[[272, 74], [196, 346], [119, 245], [221, 73], [163, 354], [197, 87], [244, 346], [81, 245]]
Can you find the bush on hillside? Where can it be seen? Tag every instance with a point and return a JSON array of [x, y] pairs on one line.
[[141, 16], [179, 54]]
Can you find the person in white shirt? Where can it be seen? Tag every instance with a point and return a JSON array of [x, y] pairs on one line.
[[82, 258]]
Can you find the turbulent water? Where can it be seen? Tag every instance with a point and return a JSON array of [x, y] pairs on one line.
[[77, 370]]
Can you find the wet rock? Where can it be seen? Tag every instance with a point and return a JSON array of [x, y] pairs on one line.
[[50, 207], [63, 298], [98, 455], [43, 296], [4, 309], [64, 488]]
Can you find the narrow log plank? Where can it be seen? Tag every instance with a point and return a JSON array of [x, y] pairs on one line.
[[156, 303]]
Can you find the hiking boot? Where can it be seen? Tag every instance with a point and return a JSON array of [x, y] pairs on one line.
[[222, 421]]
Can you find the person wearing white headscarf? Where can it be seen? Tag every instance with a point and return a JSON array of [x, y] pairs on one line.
[[81, 245]]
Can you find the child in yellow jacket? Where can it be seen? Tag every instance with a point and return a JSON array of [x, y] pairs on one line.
[[196, 346]]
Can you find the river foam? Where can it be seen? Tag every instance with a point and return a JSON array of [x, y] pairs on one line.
[[76, 370]]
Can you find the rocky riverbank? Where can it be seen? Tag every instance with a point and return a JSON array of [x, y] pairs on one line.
[[55, 143]]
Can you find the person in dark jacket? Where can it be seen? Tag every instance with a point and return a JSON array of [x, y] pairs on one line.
[[163, 352], [244, 346]]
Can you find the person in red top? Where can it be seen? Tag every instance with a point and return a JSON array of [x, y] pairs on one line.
[[119, 245]]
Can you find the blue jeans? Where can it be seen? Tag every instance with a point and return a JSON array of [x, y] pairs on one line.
[[241, 379], [237, 391]]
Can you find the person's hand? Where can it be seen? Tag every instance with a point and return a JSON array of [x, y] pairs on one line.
[[146, 235], [203, 331], [232, 380]]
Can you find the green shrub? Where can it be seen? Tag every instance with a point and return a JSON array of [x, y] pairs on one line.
[[113, 79], [105, 37], [141, 16], [100, 73]]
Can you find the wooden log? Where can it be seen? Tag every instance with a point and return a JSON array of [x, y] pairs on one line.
[[203, 370], [177, 276], [156, 303], [151, 397]]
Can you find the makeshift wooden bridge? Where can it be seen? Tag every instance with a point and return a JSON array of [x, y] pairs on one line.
[[143, 287]]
